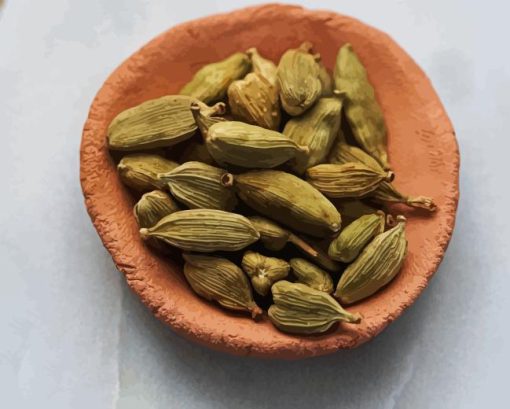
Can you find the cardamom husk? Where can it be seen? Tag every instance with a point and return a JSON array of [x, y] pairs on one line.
[[196, 152], [361, 107], [317, 129], [353, 238], [262, 66], [298, 80], [299, 309], [255, 101], [152, 207], [140, 171], [288, 199], [264, 271], [210, 83], [311, 275], [218, 279], [204, 230], [346, 180], [199, 186], [375, 267], [157, 123]]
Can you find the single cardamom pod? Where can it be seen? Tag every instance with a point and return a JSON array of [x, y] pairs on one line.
[[204, 230], [199, 186], [218, 279], [255, 101], [317, 129], [298, 80], [353, 238], [352, 209], [375, 267], [249, 146], [288, 199], [140, 171], [361, 107], [325, 79], [157, 123], [152, 207], [311, 275], [210, 83], [299, 309], [264, 271], [262, 66], [347, 180], [385, 192], [197, 152]]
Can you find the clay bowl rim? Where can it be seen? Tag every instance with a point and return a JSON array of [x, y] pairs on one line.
[[108, 203]]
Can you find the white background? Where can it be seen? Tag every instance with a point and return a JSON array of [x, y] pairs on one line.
[[73, 336]]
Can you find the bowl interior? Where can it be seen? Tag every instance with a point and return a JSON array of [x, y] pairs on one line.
[[422, 150]]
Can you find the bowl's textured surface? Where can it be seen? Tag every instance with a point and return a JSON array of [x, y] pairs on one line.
[[422, 149]]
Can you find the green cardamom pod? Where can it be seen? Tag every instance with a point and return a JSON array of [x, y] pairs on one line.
[[262, 66], [255, 101], [218, 279], [199, 186], [298, 80], [361, 107], [157, 123], [140, 171], [196, 152], [325, 79], [249, 146], [210, 83], [317, 129], [375, 267], [288, 199], [346, 180], [345, 153], [152, 207], [353, 238], [299, 309], [264, 271], [311, 275], [204, 230], [352, 209]]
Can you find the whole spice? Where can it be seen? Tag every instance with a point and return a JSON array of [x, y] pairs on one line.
[[352, 209], [262, 66], [361, 107], [376, 266], [345, 153], [347, 180], [152, 207], [157, 123], [204, 230], [325, 79], [255, 100], [311, 275], [288, 199], [264, 271], [210, 83], [299, 309], [220, 280], [352, 239], [298, 80], [317, 129], [199, 186], [140, 171], [196, 152]]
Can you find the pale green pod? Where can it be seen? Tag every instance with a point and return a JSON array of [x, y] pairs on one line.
[[196, 152], [344, 153], [352, 209], [199, 186], [353, 238], [264, 271], [299, 309], [204, 230], [157, 123], [311, 275], [326, 80], [262, 66], [317, 129], [210, 83], [152, 207], [288, 199], [218, 279], [351, 180], [376, 266], [140, 171], [361, 107], [298, 80]]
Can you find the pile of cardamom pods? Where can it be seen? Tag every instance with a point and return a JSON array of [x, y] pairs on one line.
[[248, 172]]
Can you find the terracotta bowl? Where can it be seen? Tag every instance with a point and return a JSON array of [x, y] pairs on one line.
[[422, 149]]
